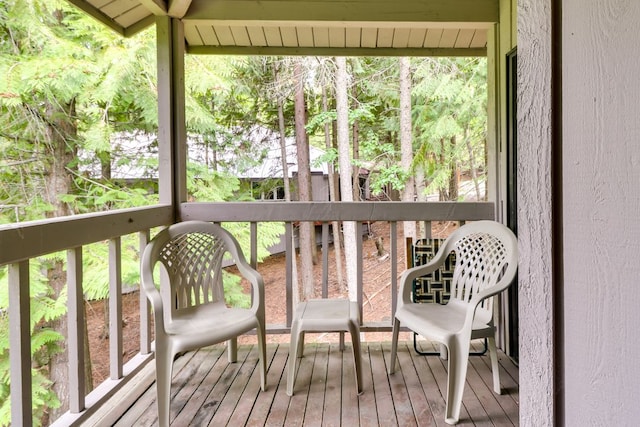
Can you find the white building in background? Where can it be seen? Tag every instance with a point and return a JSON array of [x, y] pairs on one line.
[[133, 157]]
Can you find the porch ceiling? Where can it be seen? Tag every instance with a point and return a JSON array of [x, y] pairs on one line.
[[312, 27]]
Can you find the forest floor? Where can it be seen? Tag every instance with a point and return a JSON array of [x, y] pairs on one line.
[[377, 298]]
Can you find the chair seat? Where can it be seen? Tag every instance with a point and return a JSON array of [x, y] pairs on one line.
[[196, 320], [438, 322]]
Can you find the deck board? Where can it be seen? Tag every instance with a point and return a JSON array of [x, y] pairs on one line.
[[207, 390]]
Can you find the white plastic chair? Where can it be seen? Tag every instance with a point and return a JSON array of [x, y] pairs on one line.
[[190, 310], [486, 264]]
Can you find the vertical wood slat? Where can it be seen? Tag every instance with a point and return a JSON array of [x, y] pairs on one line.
[[145, 306], [393, 228], [115, 308], [20, 344], [76, 330], [427, 230], [359, 267], [325, 260], [254, 244], [253, 254], [290, 258]]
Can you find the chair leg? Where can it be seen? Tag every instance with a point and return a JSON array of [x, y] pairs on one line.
[[493, 354], [300, 336], [394, 345], [458, 362], [262, 348], [294, 349], [164, 367], [357, 355], [232, 350]]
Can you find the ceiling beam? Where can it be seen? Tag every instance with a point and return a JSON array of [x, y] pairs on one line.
[[157, 7], [99, 16], [178, 8], [342, 24], [472, 11], [333, 51]]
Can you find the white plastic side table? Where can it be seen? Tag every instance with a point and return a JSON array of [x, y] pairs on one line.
[[324, 315]]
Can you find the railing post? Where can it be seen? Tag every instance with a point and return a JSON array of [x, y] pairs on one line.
[[393, 231], [254, 244], [77, 325], [20, 344], [115, 308], [359, 263], [290, 258], [145, 307], [325, 260]]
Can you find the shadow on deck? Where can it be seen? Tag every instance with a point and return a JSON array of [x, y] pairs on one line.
[[206, 390]]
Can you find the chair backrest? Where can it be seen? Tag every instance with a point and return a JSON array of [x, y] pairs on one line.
[[486, 260], [192, 254]]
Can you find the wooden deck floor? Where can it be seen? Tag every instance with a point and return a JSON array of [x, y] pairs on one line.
[[206, 390]]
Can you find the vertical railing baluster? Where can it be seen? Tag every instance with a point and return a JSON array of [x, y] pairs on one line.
[[76, 331], [115, 308], [393, 228], [20, 344], [145, 306], [254, 245], [325, 260], [427, 230], [290, 258], [359, 269]]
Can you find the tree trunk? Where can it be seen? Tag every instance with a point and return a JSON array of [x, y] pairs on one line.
[[444, 196], [454, 177], [355, 134], [424, 227], [333, 194], [283, 140], [61, 131], [406, 142], [304, 185], [472, 165], [346, 189]]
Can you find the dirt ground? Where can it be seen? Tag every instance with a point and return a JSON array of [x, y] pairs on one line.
[[377, 298]]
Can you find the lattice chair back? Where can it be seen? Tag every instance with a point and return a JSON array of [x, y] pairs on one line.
[[482, 258], [193, 261]]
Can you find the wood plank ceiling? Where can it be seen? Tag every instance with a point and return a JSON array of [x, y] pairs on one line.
[[313, 27]]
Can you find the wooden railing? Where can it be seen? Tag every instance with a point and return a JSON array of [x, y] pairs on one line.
[[22, 242]]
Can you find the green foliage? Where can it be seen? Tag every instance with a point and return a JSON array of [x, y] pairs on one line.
[[233, 291], [449, 117]]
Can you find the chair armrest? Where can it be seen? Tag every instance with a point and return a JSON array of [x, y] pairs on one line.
[[152, 293], [476, 299], [257, 285]]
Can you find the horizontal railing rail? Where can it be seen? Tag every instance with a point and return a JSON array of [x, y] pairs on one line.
[[22, 242]]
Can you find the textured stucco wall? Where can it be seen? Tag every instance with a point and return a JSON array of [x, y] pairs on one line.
[[601, 186], [534, 213]]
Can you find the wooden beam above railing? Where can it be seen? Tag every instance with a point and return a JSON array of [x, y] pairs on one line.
[[326, 211], [25, 240]]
